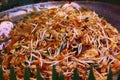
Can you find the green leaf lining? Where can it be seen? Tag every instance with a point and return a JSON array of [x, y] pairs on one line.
[[26, 74], [110, 75], [12, 74], [61, 76], [54, 73], [118, 76], [91, 74], [39, 77], [76, 75], [1, 74]]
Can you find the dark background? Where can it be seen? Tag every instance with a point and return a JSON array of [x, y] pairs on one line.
[[7, 4]]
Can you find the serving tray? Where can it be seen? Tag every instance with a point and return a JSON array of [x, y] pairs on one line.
[[109, 11]]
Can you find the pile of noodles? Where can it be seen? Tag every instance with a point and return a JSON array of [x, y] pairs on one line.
[[68, 37]]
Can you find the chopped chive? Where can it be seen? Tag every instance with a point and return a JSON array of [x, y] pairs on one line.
[[97, 43], [96, 66], [26, 17], [62, 47], [18, 48], [91, 74], [1, 74], [54, 73], [12, 74], [110, 75], [76, 75], [26, 74], [47, 52], [76, 50], [37, 14], [39, 77]]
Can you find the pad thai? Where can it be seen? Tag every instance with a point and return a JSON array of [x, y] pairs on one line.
[[68, 37]]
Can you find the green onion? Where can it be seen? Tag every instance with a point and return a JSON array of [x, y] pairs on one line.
[[18, 48], [26, 17], [76, 75], [47, 52], [61, 48], [76, 50], [96, 66]]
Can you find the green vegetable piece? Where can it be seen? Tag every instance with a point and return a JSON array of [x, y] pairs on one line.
[[12, 74], [54, 73], [1, 74], [96, 66], [91, 74], [61, 77], [110, 75], [39, 77], [76, 75], [47, 52], [76, 49], [26, 17], [18, 48], [61, 48], [118, 76], [26, 74]]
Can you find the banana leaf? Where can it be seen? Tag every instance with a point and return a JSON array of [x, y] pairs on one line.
[[76, 75], [54, 74], [118, 76], [12, 74], [110, 75], [91, 74], [61, 77], [1, 74], [39, 77], [26, 74]]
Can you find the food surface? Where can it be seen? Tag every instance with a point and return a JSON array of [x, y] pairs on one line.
[[68, 37]]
